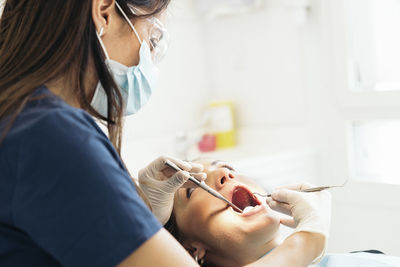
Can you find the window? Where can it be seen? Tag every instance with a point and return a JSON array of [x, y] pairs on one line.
[[374, 67], [365, 119], [374, 44]]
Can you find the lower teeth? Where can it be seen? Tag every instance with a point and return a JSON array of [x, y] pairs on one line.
[[247, 209]]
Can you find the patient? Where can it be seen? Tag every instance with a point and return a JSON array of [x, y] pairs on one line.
[[212, 231], [217, 235]]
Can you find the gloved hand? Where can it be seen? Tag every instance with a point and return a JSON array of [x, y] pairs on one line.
[[159, 182], [311, 212]]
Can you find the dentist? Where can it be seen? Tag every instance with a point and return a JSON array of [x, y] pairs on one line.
[[66, 197]]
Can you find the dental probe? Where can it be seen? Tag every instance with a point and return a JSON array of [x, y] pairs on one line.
[[309, 190], [203, 186]]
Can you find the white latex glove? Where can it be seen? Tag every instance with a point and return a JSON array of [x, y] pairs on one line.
[[311, 212], [159, 182]]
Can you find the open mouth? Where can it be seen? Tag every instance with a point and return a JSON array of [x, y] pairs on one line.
[[243, 198]]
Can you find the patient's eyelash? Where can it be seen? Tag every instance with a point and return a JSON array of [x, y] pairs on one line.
[[189, 192]]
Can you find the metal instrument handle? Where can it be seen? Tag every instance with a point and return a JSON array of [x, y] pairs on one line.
[[204, 186], [309, 190]]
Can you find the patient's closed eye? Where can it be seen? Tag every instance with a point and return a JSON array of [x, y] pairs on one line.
[[189, 192]]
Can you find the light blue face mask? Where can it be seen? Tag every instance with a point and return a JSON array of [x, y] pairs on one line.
[[136, 83]]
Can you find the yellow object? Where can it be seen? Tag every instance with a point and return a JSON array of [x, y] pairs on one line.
[[222, 123]]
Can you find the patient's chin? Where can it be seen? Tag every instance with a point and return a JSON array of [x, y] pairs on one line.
[[263, 227]]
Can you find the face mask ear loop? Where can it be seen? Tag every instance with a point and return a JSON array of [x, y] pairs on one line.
[[99, 35], [129, 21]]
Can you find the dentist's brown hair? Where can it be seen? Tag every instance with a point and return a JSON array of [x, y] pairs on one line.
[[42, 40]]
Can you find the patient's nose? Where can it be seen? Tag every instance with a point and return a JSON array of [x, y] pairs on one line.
[[223, 177]]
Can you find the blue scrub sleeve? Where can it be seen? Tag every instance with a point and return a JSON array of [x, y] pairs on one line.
[[73, 197]]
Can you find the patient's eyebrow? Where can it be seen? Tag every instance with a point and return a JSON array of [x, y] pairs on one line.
[[215, 162], [224, 165]]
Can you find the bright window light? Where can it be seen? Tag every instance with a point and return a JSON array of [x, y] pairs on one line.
[[376, 151], [374, 62]]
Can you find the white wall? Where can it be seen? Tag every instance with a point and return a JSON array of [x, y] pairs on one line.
[[183, 86], [182, 91], [253, 59]]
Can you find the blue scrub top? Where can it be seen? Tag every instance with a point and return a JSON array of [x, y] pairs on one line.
[[65, 196]]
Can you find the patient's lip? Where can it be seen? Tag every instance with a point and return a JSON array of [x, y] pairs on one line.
[[257, 209]]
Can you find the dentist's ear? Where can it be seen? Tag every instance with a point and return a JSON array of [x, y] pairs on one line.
[[102, 11]]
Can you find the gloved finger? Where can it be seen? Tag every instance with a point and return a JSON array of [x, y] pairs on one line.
[[186, 166], [196, 167], [198, 176], [178, 179], [296, 187], [159, 163], [289, 222], [279, 206], [167, 173], [286, 196], [201, 176]]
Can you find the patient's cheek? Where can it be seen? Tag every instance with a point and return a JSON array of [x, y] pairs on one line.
[[194, 215]]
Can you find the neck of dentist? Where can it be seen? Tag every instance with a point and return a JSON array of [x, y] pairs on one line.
[[64, 88]]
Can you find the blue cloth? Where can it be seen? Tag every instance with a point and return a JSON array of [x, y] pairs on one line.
[[267, 253], [358, 259], [65, 196], [361, 259]]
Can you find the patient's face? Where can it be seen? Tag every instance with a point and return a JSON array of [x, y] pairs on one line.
[[206, 220]]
